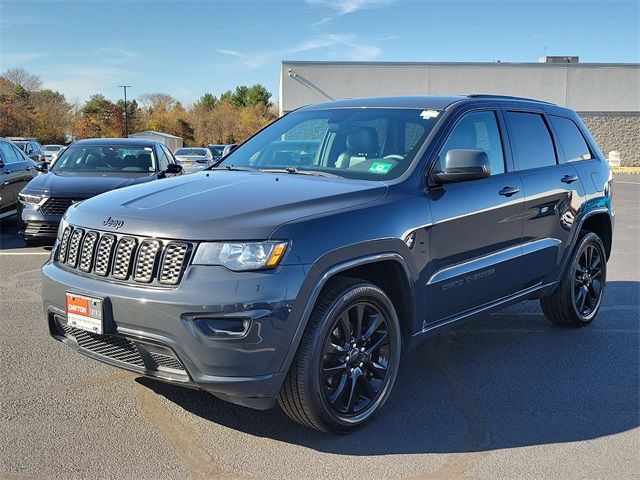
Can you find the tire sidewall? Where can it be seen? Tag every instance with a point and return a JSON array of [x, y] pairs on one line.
[[355, 294]]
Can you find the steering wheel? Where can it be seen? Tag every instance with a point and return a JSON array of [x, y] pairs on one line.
[[393, 156]]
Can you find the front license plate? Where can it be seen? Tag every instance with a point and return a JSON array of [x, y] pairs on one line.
[[84, 313]]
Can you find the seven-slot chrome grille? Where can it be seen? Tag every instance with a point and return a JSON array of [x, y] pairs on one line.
[[124, 257]]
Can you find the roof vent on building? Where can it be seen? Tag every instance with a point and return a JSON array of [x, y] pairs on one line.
[[558, 59]]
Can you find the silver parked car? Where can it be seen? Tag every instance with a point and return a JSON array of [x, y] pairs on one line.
[[194, 159], [51, 152]]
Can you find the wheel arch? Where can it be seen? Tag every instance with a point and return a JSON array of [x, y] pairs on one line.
[[375, 265], [599, 222]]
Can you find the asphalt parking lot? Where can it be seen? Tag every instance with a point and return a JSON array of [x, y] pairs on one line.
[[505, 397]]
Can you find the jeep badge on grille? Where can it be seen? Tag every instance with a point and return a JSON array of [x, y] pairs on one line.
[[113, 222]]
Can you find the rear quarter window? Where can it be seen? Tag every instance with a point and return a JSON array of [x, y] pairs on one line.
[[571, 139]]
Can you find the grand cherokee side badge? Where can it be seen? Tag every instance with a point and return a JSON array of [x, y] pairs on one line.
[[112, 222]]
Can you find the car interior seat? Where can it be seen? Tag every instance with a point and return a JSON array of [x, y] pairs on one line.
[[143, 162], [361, 144]]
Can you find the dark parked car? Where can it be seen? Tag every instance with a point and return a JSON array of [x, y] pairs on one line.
[[16, 170], [194, 159], [342, 235], [31, 148], [85, 169]]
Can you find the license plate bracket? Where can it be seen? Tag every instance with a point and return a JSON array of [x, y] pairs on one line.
[[85, 313]]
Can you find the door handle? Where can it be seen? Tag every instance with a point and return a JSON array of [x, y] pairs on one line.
[[569, 178], [508, 191]]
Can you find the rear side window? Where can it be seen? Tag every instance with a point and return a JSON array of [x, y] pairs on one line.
[[571, 140], [477, 131], [8, 154], [531, 140]]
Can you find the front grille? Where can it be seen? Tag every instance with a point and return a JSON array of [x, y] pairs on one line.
[[88, 248], [124, 258], [64, 245], [124, 252], [172, 262], [146, 261], [55, 206], [74, 247]]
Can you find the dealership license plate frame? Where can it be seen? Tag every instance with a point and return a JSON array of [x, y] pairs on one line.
[[85, 312]]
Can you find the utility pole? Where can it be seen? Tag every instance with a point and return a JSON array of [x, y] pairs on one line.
[[126, 113]]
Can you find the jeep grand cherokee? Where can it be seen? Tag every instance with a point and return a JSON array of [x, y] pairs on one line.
[[298, 269]]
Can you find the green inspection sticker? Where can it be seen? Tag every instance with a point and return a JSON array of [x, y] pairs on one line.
[[380, 167]]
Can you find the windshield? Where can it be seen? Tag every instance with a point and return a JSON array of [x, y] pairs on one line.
[[200, 152], [106, 158], [216, 150], [358, 143]]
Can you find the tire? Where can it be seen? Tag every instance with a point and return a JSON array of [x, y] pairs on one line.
[[577, 299], [318, 391]]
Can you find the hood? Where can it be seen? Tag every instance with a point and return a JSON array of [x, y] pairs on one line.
[[81, 185], [221, 205]]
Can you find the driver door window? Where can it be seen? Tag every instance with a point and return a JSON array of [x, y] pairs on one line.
[[478, 131]]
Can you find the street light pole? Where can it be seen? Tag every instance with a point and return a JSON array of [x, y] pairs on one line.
[[126, 115]]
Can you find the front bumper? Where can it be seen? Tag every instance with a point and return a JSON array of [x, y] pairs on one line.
[[35, 224], [156, 331]]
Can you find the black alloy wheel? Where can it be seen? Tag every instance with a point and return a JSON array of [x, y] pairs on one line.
[[355, 358], [577, 298], [587, 281], [348, 358]]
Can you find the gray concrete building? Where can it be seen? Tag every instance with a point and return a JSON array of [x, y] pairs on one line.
[[170, 141], [606, 95]]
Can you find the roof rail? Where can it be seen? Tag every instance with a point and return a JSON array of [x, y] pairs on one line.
[[507, 97]]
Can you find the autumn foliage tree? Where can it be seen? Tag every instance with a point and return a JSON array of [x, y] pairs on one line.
[[30, 111], [26, 109]]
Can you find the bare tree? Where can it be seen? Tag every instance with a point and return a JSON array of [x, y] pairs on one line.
[[157, 101], [19, 76]]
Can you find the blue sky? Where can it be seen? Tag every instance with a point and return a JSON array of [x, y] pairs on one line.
[[186, 48]]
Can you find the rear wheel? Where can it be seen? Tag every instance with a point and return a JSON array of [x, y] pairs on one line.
[[348, 359], [577, 299]]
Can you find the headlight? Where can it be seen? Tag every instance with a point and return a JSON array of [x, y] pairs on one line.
[[240, 255], [30, 198]]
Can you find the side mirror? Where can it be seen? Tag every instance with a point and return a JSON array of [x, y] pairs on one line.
[[42, 167], [174, 169], [461, 165]]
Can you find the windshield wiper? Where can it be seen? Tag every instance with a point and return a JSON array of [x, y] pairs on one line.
[[233, 168], [296, 171]]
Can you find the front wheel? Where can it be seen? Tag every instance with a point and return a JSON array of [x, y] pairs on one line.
[[576, 300], [347, 361]]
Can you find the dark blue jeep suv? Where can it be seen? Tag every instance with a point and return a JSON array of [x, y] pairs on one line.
[[342, 235]]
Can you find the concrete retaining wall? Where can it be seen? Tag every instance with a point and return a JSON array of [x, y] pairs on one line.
[[616, 131]]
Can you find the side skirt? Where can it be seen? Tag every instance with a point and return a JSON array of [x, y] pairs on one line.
[[488, 307]]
